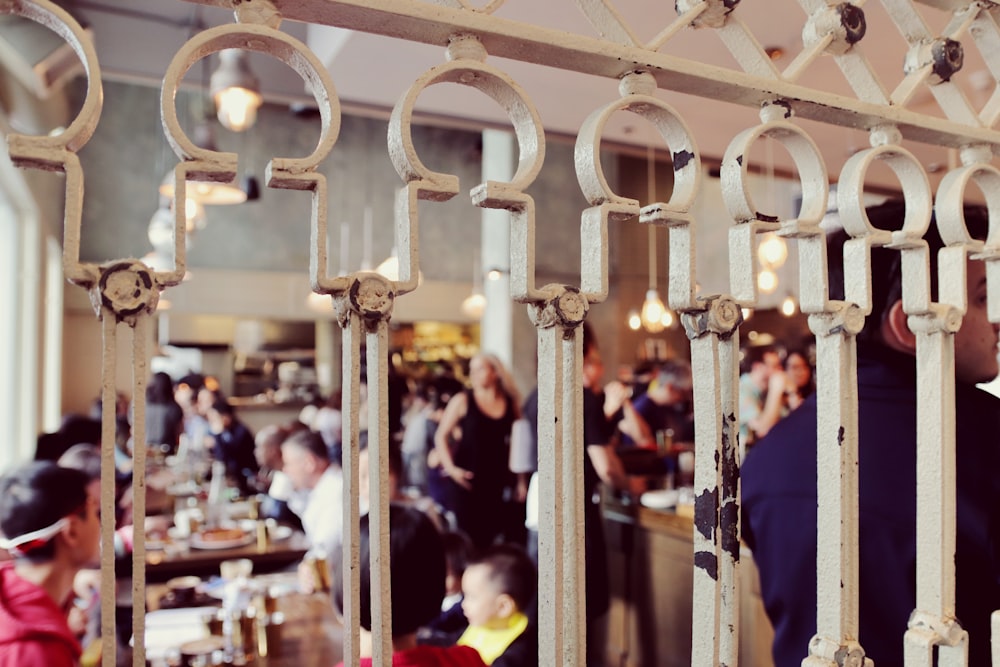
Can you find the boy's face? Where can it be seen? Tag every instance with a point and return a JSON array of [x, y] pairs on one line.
[[976, 341], [482, 604]]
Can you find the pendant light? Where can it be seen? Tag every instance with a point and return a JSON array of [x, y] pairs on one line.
[[654, 313], [235, 91], [474, 305]]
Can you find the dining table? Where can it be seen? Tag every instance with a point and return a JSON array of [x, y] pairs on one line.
[[308, 632], [187, 556]]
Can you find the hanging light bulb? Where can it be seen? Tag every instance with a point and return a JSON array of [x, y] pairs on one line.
[[747, 312], [634, 320], [767, 281], [667, 319], [788, 306], [652, 312], [772, 251], [474, 305], [235, 90]]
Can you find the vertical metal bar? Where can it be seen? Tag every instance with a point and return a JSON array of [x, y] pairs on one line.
[[708, 438], [729, 501], [351, 386], [377, 339], [936, 474], [140, 375], [836, 485], [109, 403]]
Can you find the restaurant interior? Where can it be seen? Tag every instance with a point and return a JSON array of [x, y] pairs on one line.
[[245, 314]]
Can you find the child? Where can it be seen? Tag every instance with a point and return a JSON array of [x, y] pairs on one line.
[[451, 623], [498, 590], [416, 556]]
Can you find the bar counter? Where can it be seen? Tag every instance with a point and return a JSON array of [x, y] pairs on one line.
[[651, 572]]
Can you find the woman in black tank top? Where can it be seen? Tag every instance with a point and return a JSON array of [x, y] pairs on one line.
[[473, 442]]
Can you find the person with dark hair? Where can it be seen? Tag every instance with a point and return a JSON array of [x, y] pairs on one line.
[[779, 476], [319, 488], [417, 574], [762, 392], [666, 405], [234, 445], [451, 623], [164, 416], [799, 380], [498, 588], [50, 522], [473, 446]]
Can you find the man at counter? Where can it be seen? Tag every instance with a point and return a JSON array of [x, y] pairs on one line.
[[779, 477]]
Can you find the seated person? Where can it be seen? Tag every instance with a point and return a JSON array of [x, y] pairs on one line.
[[451, 623], [270, 479], [234, 445], [498, 589], [50, 520], [416, 556], [319, 487]]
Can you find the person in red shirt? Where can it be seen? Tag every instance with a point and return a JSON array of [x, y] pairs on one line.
[[51, 525], [417, 573]]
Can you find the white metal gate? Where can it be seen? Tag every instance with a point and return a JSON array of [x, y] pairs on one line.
[[127, 290]]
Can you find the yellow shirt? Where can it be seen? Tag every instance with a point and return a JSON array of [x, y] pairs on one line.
[[492, 642]]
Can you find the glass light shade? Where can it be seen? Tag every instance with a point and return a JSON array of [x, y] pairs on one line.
[[634, 320], [767, 281], [205, 192], [161, 232], [474, 305], [788, 306], [235, 90], [652, 312], [772, 251]]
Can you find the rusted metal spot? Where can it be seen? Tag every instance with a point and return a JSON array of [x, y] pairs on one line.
[[853, 21], [729, 521], [682, 159], [706, 506], [947, 57], [704, 560], [840, 436], [126, 289]]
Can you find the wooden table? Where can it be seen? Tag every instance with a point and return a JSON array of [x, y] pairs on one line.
[[311, 634], [165, 564]]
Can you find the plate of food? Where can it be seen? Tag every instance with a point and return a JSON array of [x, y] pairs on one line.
[[221, 538]]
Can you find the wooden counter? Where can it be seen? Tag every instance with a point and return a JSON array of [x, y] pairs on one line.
[[651, 574]]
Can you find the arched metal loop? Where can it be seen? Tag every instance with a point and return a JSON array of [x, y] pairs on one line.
[[490, 81], [468, 69], [675, 133], [808, 161], [47, 152], [284, 172], [749, 220], [916, 193], [636, 88]]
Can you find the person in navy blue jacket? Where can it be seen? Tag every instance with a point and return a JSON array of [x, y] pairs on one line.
[[779, 475]]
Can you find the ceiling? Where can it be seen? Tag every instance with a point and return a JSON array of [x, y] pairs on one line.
[[136, 39]]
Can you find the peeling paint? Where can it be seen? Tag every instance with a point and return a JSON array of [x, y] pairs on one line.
[[703, 560], [682, 159], [706, 506]]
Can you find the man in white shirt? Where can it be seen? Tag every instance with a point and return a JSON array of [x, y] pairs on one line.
[[319, 488]]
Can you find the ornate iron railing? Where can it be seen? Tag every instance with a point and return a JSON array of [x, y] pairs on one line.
[[127, 291]]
